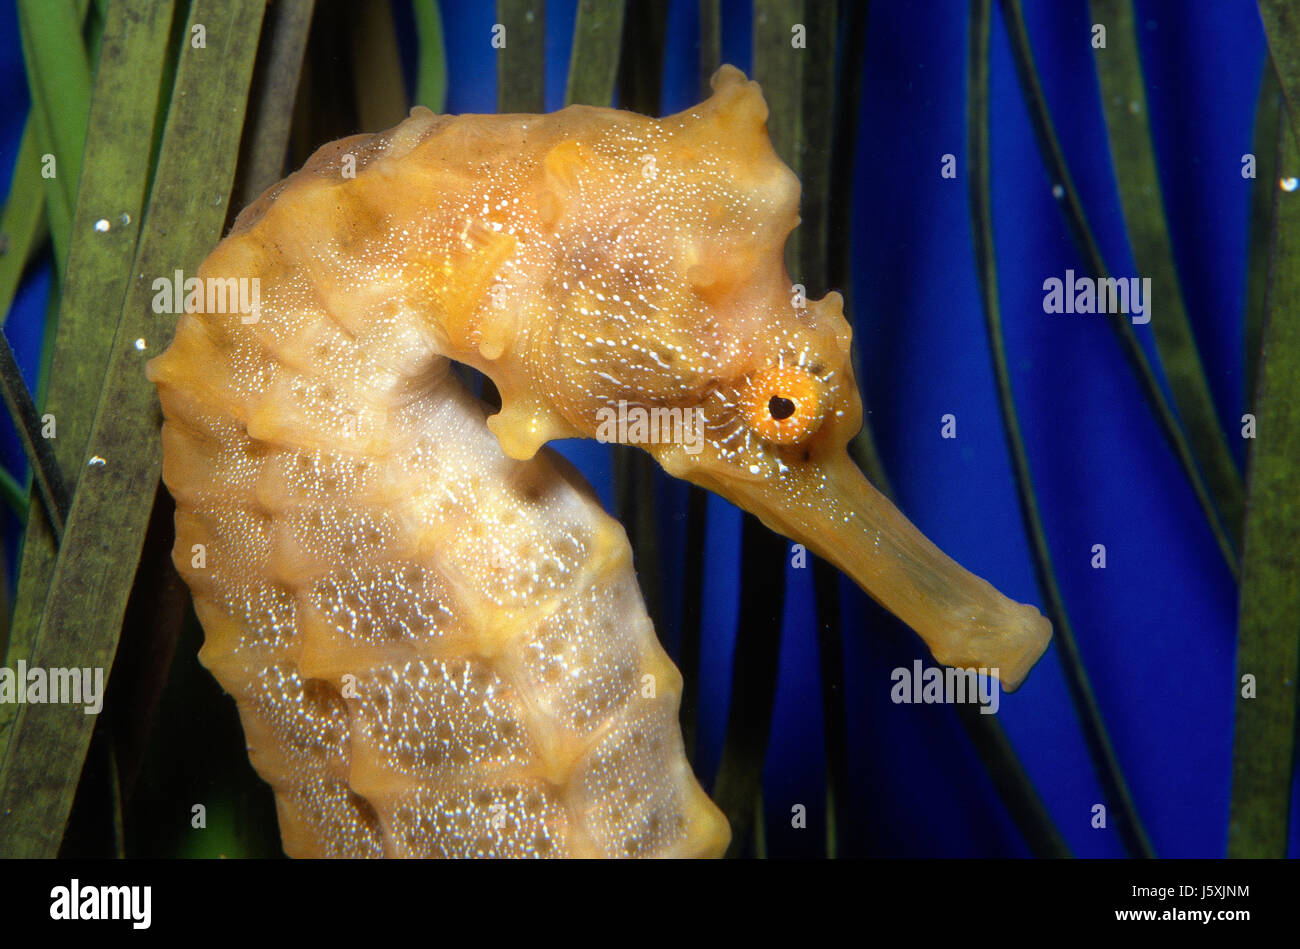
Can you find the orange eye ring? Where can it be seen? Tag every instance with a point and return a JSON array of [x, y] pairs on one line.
[[784, 406]]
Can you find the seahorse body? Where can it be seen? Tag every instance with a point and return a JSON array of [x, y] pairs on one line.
[[433, 632], [436, 650]]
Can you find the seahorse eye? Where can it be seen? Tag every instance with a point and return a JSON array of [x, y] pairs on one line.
[[780, 408], [784, 406]]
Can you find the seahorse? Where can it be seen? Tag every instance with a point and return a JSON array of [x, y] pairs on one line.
[[431, 628]]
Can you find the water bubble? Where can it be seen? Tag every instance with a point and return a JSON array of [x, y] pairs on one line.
[[140, 344], [1135, 107], [124, 219], [103, 226], [96, 462], [1058, 192], [1289, 184]]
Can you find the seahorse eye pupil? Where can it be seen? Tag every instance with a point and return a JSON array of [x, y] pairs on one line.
[[780, 408]]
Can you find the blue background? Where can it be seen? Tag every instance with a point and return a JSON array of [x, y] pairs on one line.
[[1156, 628]]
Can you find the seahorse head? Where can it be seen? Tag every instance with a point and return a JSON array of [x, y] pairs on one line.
[[670, 320], [667, 319]]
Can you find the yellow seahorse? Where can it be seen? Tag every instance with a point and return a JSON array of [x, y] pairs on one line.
[[432, 630]]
